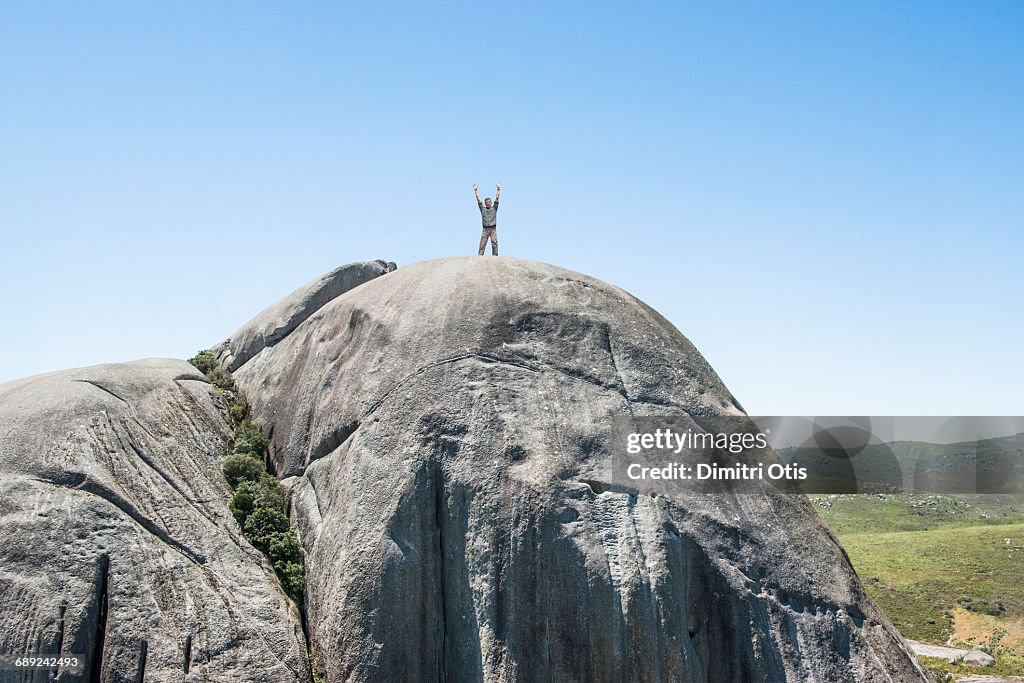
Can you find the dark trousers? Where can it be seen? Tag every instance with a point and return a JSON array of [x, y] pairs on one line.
[[492, 234]]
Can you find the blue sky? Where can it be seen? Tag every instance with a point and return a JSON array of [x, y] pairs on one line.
[[825, 198]]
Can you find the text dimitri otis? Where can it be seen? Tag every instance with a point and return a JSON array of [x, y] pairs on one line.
[[676, 442]]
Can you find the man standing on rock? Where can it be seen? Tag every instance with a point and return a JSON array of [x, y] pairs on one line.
[[489, 214]]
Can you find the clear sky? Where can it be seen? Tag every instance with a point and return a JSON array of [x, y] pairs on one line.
[[826, 198]]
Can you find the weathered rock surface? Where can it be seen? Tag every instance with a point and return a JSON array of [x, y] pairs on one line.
[[117, 541], [446, 427], [978, 658], [275, 322], [444, 431], [950, 654]]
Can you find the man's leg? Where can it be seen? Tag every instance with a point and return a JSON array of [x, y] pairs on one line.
[[494, 241], [483, 242]]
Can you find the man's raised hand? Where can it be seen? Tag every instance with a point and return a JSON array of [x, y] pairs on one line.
[[475, 187], [499, 186]]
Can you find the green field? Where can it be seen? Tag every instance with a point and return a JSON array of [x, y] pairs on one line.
[[944, 568], [871, 513]]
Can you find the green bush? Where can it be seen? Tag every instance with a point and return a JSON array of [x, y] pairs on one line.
[[258, 501], [204, 361], [251, 495], [238, 468], [262, 524], [221, 379], [269, 494], [263, 494], [995, 638], [242, 503], [249, 429], [284, 548], [995, 609], [243, 447], [236, 412], [251, 434], [292, 578]]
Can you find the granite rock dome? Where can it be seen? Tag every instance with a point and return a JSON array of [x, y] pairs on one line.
[[441, 429]]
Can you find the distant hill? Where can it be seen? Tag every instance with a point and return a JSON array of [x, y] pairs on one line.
[[983, 466]]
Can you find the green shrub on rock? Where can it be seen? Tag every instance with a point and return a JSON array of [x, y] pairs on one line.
[[258, 502], [269, 494], [284, 548], [243, 447], [265, 493], [221, 379], [262, 524], [293, 579], [242, 503], [236, 412], [204, 361], [238, 467], [249, 438]]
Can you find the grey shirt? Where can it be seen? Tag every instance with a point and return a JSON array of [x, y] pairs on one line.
[[489, 216]]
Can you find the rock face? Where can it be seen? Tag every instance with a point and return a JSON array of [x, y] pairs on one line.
[[118, 545], [274, 323], [445, 429], [978, 658]]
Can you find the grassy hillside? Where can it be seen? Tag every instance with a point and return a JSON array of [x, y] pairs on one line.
[[944, 568], [881, 513]]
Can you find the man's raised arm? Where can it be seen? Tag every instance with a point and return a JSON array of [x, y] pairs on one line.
[[475, 188], [497, 194]]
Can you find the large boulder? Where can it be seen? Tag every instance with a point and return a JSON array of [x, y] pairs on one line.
[[978, 658], [445, 433], [118, 545]]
